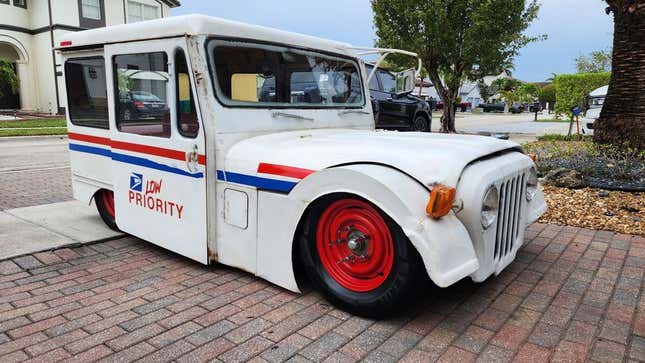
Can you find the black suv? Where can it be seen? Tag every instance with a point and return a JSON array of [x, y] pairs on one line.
[[392, 111]]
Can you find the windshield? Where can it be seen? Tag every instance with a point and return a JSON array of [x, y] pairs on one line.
[[247, 74], [595, 102]]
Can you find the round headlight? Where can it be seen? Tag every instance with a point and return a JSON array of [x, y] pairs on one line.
[[531, 184], [490, 206]]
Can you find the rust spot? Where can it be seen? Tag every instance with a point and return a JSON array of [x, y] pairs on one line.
[[212, 255]]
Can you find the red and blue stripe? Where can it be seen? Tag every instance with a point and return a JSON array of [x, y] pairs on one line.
[[260, 182]]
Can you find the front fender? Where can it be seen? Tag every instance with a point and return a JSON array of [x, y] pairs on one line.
[[444, 245]]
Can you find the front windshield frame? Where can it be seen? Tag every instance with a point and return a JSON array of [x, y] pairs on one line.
[[213, 42]]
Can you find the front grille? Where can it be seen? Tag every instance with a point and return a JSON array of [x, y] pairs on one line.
[[511, 198]]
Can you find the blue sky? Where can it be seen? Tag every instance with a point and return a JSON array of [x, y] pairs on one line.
[[574, 27]]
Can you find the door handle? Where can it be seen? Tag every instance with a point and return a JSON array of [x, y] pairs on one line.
[[192, 160]]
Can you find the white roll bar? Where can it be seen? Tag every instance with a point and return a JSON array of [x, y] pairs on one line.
[[362, 51]]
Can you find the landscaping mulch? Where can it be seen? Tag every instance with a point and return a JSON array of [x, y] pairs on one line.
[[616, 211]]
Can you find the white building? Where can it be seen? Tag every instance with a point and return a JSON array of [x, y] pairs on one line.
[[469, 91], [30, 29]]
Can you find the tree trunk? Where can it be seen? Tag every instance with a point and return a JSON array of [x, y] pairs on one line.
[[622, 119], [449, 99], [448, 116]]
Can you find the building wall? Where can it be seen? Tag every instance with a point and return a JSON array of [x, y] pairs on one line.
[[27, 32]]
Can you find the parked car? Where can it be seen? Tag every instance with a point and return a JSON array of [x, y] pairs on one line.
[[396, 111], [136, 105], [535, 107], [493, 107], [518, 107], [593, 104], [462, 106]]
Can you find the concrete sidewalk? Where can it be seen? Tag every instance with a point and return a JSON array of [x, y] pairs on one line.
[[50, 226]]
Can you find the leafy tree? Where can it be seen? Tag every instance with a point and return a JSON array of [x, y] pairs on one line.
[[529, 92], [514, 90], [8, 78], [596, 62], [486, 91], [547, 94], [456, 39], [124, 81], [622, 119]]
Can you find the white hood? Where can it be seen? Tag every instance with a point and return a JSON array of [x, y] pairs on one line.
[[428, 157]]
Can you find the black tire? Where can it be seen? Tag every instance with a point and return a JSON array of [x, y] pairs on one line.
[[379, 302], [420, 124], [104, 210]]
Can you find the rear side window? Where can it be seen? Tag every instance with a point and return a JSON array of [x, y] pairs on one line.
[[187, 123], [142, 82], [86, 92], [249, 74]]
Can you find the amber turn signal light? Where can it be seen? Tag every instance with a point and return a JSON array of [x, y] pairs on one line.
[[441, 200], [533, 157]]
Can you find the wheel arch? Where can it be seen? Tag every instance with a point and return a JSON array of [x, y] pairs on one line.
[[398, 195], [427, 115]]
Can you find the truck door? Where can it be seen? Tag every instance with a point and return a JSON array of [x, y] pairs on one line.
[[157, 146]]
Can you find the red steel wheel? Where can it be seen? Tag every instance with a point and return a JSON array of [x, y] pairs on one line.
[[108, 201], [355, 245], [105, 204]]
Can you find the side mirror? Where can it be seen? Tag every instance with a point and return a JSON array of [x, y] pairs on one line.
[[405, 81]]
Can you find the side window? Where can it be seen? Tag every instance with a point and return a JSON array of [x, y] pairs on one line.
[[187, 123], [374, 80], [387, 80], [86, 92], [142, 94]]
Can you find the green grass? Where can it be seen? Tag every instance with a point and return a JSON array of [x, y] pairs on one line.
[[53, 122], [33, 132], [553, 120]]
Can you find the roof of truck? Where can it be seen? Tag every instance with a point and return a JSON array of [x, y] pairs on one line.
[[194, 25]]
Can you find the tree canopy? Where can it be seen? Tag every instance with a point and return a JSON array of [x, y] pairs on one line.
[[596, 62], [8, 78], [456, 39]]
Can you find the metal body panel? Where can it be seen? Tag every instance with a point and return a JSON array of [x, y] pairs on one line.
[[395, 193], [236, 245], [158, 196]]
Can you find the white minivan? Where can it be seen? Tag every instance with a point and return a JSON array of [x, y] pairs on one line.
[[256, 148]]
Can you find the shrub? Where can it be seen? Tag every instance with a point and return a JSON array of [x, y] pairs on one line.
[[571, 89], [558, 137]]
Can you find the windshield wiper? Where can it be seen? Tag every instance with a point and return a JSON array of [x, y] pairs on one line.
[[345, 112], [290, 115]]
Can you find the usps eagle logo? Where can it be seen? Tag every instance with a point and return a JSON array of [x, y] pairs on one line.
[[136, 182]]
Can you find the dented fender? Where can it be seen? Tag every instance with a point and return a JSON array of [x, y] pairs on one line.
[[444, 244]]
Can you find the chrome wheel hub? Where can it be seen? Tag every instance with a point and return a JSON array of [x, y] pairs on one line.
[[357, 242]]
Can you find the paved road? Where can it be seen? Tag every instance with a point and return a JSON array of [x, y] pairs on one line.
[[34, 171], [572, 295], [507, 123]]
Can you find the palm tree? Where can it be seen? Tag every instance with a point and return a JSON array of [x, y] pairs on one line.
[[622, 120], [8, 78]]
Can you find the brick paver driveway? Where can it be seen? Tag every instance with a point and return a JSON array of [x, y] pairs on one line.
[[572, 294]]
